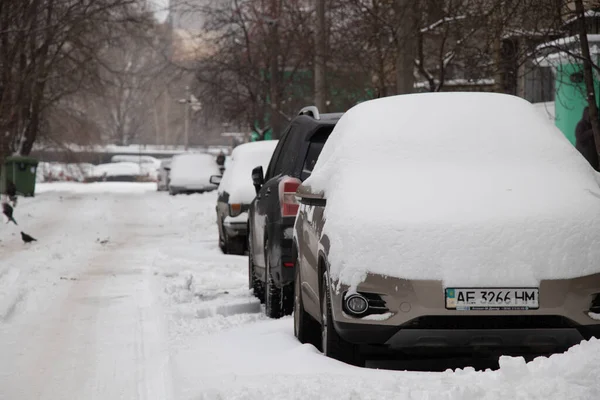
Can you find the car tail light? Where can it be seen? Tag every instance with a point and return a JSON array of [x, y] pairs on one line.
[[287, 190], [235, 209]]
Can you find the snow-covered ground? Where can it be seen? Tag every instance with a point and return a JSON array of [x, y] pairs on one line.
[[127, 296]]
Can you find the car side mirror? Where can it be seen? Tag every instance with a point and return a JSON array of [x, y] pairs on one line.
[[167, 168], [258, 178], [216, 179]]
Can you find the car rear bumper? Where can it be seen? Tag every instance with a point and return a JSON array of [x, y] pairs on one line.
[[237, 226], [414, 315]]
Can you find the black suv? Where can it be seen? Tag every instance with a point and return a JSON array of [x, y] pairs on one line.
[[273, 212]]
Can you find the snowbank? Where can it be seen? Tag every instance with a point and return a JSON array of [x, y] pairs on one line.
[[263, 361], [471, 189], [193, 169], [237, 179], [96, 187], [52, 172]]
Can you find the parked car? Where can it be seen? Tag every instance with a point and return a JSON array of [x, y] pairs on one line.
[[236, 192], [148, 165], [162, 183], [115, 172], [191, 172], [464, 232], [272, 213]]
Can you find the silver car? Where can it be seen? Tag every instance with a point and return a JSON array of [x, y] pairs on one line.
[[465, 233]]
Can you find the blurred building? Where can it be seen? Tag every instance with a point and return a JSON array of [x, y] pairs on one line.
[[190, 41]]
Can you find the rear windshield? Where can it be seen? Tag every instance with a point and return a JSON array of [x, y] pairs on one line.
[[317, 141]]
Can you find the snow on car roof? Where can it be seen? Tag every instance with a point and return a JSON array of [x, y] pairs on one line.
[[193, 168], [469, 188], [237, 179]]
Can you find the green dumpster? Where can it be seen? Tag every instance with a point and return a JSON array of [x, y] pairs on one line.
[[20, 171]]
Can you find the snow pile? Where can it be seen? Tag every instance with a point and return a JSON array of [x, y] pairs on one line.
[[264, 361], [237, 179], [52, 172], [471, 189], [96, 187], [193, 169]]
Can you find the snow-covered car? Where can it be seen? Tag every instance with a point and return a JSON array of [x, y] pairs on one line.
[[447, 221], [191, 172], [118, 171], [162, 181], [236, 192], [138, 159], [148, 165]]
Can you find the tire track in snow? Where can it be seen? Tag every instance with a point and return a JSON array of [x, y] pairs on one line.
[[103, 336], [10, 294]]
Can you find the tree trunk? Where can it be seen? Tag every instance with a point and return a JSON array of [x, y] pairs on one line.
[[320, 53], [588, 73], [274, 86], [406, 46]]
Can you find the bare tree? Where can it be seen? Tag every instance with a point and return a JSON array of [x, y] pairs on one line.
[[48, 50], [250, 78], [588, 73]]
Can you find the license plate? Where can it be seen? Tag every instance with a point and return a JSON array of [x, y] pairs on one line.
[[492, 299]]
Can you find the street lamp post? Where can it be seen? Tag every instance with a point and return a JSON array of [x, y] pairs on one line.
[[190, 101], [186, 129]]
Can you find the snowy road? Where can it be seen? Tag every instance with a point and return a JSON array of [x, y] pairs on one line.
[[127, 296]]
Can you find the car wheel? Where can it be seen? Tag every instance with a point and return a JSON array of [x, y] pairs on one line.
[[278, 301], [255, 284], [332, 344], [306, 329]]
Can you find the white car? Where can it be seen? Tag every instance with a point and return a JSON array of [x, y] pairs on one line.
[[162, 182], [117, 171], [191, 172], [148, 165], [236, 192]]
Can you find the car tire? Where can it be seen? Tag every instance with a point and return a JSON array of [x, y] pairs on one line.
[[278, 301], [306, 329], [253, 282], [332, 344]]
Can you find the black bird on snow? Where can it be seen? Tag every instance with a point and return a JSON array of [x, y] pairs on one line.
[[11, 191], [8, 211], [27, 239]]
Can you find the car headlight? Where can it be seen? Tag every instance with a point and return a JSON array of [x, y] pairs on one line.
[[235, 209]]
